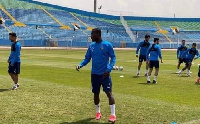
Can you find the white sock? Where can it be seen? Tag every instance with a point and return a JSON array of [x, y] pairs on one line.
[[112, 108], [148, 78], [97, 108], [154, 78], [188, 71], [138, 71]]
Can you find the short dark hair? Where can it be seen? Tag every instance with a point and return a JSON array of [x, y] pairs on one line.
[[194, 44], [97, 30], [156, 39], [13, 34], [183, 40], [147, 36]]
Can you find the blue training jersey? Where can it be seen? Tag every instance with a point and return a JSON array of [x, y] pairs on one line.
[[100, 54], [143, 47], [154, 52], [15, 53], [180, 51], [190, 53]]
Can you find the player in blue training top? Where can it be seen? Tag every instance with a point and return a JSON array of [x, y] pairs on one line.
[[14, 60], [152, 55], [100, 52], [143, 46], [190, 54], [179, 52]]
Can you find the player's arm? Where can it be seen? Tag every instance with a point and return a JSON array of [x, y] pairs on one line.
[[112, 62], [177, 52], [110, 65], [147, 54], [86, 60], [197, 55], [9, 58], [160, 54], [16, 54], [138, 48]]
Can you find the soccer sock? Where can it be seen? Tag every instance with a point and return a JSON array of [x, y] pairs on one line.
[[154, 78], [138, 71], [97, 108], [188, 71], [148, 78], [112, 108]]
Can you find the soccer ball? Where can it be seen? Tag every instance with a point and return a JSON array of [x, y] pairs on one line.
[[121, 68], [116, 68]]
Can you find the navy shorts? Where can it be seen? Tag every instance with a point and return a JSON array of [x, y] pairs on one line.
[[142, 58], [154, 64], [188, 62], [98, 81], [181, 60], [15, 69]]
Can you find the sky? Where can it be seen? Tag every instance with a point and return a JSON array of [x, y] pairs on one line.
[[147, 8]]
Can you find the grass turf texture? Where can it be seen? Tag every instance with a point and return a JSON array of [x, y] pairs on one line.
[[53, 92]]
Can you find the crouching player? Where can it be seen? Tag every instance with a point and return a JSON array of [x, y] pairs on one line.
[[190, 54]]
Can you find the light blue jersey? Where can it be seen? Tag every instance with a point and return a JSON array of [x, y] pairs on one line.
[[153, 53], [143, 47], [15, 53], [100, 53]]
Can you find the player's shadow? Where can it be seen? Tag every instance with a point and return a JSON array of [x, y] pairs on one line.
[[136, 76], [4, 90], [144, 83], [184, 76], [84, 121]]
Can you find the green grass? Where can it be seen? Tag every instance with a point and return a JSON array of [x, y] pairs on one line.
[[53, 92]]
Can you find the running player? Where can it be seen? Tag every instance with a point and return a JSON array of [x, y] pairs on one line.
[[152, 55], [100, 51], [190, 54], [14, 60], [143, 46], [180, 50]]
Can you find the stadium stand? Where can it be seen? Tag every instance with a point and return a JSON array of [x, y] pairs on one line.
[[43, 26]]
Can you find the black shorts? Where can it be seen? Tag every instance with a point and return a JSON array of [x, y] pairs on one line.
[[154, 64], [181, 60], [98, 81], [142, 58], [15, 69], [188, 62]]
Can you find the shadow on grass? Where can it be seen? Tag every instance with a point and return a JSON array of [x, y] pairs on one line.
[[184, 76], [144, 83], [84, 121], [4, 90], [135, 77]]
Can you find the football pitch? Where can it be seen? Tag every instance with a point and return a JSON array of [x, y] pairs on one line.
[[53, 92]]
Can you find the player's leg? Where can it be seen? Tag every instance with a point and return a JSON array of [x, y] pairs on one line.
[[188, 68], [139, 65], [179, 64], [198, 79], [96, 90], [156, 64], [147, 67], [150, 71], [12, 73], [107, 88]]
